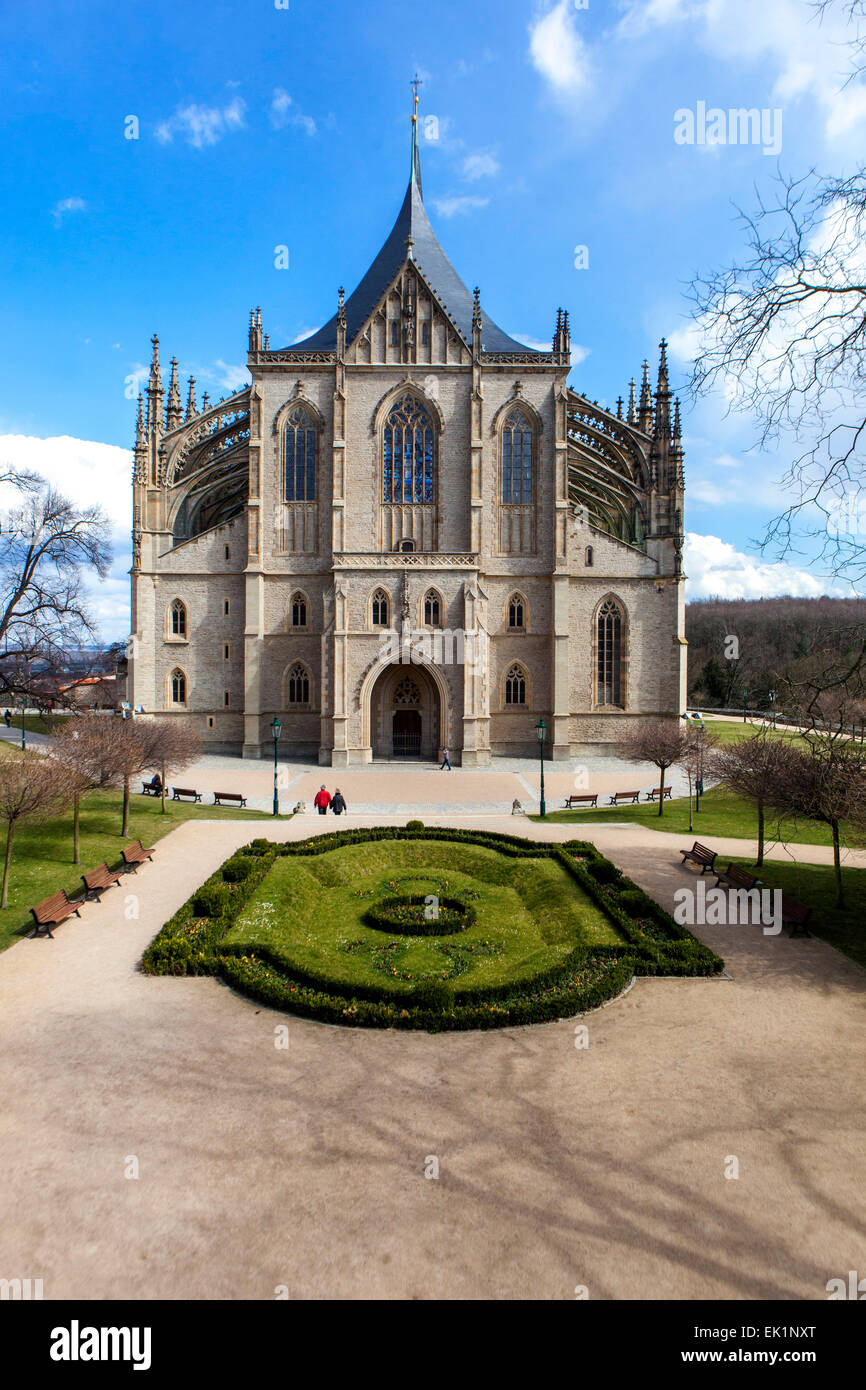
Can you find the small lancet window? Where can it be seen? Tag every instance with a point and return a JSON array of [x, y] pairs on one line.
[[299, 611], [515, 611], [432, 609], [178, 618], [178, 687], [298, 690], [515, 686], [380, 609], [588, 557]]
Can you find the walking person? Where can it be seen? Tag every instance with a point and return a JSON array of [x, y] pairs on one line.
[[322, 800], [446, 761], [7, 718], [338, 803]]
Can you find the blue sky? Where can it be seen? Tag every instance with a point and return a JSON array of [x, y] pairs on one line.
[[262, 126]]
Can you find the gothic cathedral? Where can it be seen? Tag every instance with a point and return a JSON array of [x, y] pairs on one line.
[[406, 533]]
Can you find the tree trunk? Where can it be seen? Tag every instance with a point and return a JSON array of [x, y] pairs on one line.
[[10, 831], [662, 792], [760, 859], [837, 864], [76, 829], [125, 828]]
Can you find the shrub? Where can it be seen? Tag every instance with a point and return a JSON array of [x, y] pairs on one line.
[[636, 903], [414, 825], [433, 995], [236, 869], [603, 871], [211, 900]]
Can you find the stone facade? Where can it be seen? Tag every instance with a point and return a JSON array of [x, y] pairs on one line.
[[407, 532]]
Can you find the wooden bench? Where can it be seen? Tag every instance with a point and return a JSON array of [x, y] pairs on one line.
[[96, 881], [617, 797], [700, 854], [657, 791], [220, 797], [591, 797], [134, 855], [178, 793], [735, 876], [148, 789], [51, 911], [795, 916]]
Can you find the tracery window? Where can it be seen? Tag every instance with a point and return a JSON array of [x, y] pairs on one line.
[[178, 687], [432, 608], [178, 618], [380, 609], [408, 454], [517, 459], [407, 692], [299, 452], [515, 686], [609, 654], [299, 610], [298, 686], [515, 611]]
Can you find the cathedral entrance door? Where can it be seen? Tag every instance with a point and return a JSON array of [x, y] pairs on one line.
[[406, 734]]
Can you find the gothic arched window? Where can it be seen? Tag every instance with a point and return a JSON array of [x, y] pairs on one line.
[[299, 610], [178, 687], [177, 624], [516, 611], [515, 686], [299, 453], [432, 608], [517, 458], [588, 558], [408, 454], [298, 686], [380, 609], [609, 650]]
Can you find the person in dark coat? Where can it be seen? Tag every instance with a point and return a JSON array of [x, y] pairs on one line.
[[338, 803]]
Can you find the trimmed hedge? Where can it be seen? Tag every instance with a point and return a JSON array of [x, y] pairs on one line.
[[190, 944], [384, 915]]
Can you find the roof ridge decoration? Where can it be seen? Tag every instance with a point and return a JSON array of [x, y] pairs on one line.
[[413, 239]]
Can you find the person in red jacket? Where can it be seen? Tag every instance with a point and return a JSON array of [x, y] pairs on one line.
[[322, 800]]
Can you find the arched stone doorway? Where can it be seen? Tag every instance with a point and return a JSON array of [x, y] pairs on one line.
[[405, 715]]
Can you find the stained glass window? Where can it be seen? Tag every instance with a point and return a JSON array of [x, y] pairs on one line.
[[515, 686], [299, 434], [609, 653], [298, 691], [407, 473], [515, 611], [517, 461]]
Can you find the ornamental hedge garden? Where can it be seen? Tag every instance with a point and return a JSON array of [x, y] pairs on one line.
[[424, 928]]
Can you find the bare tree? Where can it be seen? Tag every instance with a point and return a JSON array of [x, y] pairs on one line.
[[153, 743], [784, 332], [32, 787], [47, 545], [756, 768], [659, 741], [825, 781], [697, 759], [92, 750]]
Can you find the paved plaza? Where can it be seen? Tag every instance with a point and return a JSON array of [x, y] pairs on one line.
[[304, 1168]]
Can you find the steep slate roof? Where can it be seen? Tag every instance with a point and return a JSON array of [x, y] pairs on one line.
[[431, 260]]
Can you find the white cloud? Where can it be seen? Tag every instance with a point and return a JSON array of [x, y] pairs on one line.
[[232, 377], [557, 50], [65, 205], [87, 472], [202, 125], [480, 166], [284, 112], [450, 207], [802, 55], [715, 569]]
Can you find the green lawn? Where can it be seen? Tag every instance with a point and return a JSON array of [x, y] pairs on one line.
[[36, 723], [530, 914], [814, 885], [722, 812], [42, 854], [727, 731]]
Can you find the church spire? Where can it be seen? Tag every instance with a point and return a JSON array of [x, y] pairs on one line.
[[631, 416], [645, 412], [416, 153], [663, 395], [191, 408], [173, 415]]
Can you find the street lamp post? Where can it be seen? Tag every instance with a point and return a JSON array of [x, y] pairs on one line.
[[745, 698], [276, 730], [541, 730], [773, 703], [23, 712]]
